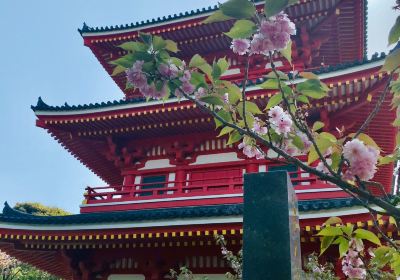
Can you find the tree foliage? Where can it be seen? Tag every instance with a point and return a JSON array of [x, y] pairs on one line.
[[35, 208]]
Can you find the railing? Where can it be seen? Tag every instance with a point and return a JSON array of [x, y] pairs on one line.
[[170, 189]]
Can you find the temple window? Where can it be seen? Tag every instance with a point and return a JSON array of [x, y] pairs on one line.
[[153, 182]]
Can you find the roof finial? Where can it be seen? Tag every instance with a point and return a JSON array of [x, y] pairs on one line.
[[85, 28]]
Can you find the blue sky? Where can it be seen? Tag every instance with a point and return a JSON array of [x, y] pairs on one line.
[[42, 54]]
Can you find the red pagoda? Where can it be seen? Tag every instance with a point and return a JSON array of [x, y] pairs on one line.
[[171, 184]]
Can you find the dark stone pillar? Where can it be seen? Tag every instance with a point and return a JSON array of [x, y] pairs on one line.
[[271, 240]]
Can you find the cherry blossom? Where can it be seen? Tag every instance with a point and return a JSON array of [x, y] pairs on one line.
[[250, 150], [258, 127], [240, 46], [150, 91], [168, 70], [135, 76], [274, 34], [352, 265], [199, 93], [306, 142], [362, 160], [280, 120], [321, 166], [275, 113]]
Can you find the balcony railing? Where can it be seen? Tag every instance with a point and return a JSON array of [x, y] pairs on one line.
[[194, 192]]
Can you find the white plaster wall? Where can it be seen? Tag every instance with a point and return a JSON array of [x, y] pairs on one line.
[[216, 158], [156, 163], [127, 277]]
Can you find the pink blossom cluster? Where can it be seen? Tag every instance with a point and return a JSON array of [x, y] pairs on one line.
[[273, 34], [280, 120], [138, 79], [352, 265], [169, 70], [250, 150], [186, 87], [321, 166], [6, 262], [258, 127], [362, 160]]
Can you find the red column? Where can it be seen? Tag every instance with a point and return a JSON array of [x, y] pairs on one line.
[[180, 178], [252, 168], [129, 181]]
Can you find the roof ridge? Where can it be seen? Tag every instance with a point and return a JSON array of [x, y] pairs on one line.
[[10, 215], [42, 106], [87, 29]]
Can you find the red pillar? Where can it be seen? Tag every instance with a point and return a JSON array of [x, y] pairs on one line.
[[180, 178], [252, 168]]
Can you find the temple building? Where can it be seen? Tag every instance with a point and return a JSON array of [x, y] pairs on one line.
[[170, 182]]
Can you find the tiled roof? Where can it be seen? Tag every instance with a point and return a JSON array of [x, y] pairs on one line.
[[198, 12], [10, 215], [42, 106]]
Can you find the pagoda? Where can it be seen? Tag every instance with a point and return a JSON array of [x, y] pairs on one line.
[[170, 183]]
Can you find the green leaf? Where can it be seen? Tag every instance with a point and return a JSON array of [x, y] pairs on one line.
[[145, 56], [396, 122], [225, 130], [308, 75], [274, 100], [146, 37], [330, 231], [297, 142], [124, 61], [335, 157], [118, 70], [158, 43], [383, 255], [216, 17], [196, 61], [200, 63], [343, 246], [176, 61], [367, 140], [313, 88], [213, 100], [386, 159], [348, 230], [325, 243], [226, 116], [367, 235], [392, 61], [273, 7], [241, 29], [171, 46], [333, 221], [250, 107], [216, 71], [223, 64], [270, 84], [133, 46], [328, 136], [278, 75], [239, 9], [287, 52], [302, 98], [234, 92], [234, 137], [323, 144], [317, 126], [198, 79], [394, 33]]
